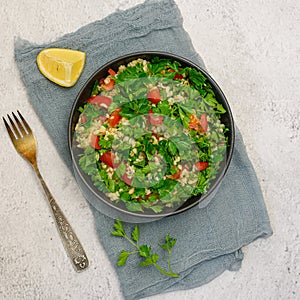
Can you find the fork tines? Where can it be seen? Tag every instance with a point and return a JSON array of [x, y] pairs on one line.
[[17, 131]]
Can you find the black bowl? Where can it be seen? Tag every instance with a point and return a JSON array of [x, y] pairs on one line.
[[98, 199]]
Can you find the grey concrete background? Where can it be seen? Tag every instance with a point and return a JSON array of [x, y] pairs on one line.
[[252, 49]]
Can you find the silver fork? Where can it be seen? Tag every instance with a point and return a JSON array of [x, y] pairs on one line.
[[25, 143]]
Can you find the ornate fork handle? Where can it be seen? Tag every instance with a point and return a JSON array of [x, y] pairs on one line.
[[25, 144], [70, 241]]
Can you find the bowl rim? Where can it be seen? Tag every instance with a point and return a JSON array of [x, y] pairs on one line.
[[215, 85]]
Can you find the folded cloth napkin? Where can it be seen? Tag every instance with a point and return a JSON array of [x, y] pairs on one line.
[[209, 239]]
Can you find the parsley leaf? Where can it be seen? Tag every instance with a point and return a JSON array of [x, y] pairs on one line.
[[123, 258], [135, 233]]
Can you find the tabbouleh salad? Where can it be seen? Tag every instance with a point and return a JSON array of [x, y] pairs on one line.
[[151, 135]]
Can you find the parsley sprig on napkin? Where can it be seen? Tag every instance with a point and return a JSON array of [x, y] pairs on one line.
[[144, 251]]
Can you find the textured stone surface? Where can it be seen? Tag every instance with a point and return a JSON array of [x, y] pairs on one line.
[[252, 49]]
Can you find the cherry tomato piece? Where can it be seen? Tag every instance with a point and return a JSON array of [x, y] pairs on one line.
[[94, 142], [203, 122], [201, 165], [83, 119], [154, 96], [126, 179], [115, 118], [155, 120], [108, 159], [111, 72], [176, 175], [100, 100], [177, 76], [108, 84], [194, 122]]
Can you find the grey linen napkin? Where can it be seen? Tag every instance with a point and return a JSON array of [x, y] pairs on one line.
[[209, 239]]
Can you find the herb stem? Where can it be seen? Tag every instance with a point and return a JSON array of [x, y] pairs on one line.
[[169, 261], [132, 242], [164, 272]]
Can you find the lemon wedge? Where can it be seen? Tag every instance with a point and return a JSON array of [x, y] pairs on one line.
[[62, 66]]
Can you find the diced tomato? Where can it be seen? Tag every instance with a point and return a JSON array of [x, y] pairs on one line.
[[111, 72], [194, 122], [155, 120], [176, 175], [126, 179], [99, 99], [154, 96], [115, 117], [102, 118], [83, 119], [193, 126], [108, 159], [203, 122], [177, 76], [94, 142], [199, 125], [108, 84], [201, 165]]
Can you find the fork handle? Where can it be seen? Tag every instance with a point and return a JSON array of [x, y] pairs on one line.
[[70, 241]]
